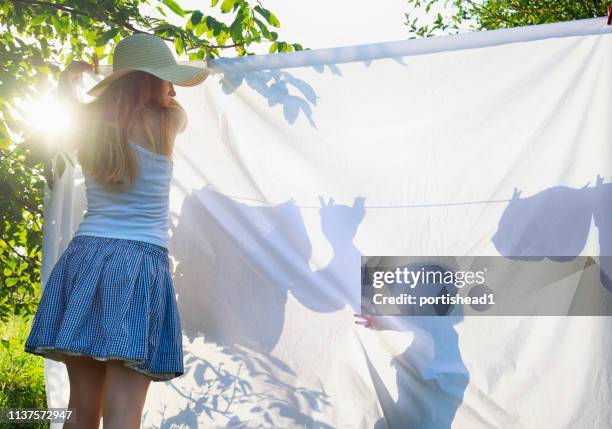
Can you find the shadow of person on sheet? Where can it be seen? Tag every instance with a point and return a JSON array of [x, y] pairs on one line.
[[431, 377], [232, 265], [237, 265]]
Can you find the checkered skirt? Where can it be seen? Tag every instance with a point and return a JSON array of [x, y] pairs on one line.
[[111, 298]]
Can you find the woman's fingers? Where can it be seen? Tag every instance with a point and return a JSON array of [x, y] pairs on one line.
[[84, 66], [363, 320], [75, 68]]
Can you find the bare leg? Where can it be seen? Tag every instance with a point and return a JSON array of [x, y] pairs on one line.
[[124, 396], [86, 391]]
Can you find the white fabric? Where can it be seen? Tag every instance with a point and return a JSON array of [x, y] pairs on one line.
[[421, 145]]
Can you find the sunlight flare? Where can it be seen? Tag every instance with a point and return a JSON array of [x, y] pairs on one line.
[[49, 115]]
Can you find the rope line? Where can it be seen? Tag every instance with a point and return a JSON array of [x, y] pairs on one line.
[[379, 206]]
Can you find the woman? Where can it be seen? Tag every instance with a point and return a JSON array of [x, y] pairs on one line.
[[108, 309]]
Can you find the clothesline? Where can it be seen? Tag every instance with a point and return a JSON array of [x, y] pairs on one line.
[[381, 207]]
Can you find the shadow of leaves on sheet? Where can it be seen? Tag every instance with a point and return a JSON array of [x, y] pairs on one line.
[[281, 87], [220, 390]]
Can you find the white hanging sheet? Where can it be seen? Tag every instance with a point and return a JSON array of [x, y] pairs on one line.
[[295, 165]]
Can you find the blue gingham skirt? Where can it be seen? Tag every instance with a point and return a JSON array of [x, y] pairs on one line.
[[111, 298]]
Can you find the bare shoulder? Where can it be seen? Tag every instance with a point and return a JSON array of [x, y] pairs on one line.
[[178, 116]]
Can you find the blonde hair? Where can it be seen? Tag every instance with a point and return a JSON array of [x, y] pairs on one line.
[[102, 138]]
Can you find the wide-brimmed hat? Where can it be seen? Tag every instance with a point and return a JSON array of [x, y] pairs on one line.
[[148, 53]]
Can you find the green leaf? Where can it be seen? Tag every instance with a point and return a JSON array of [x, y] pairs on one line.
[[106, 36], [200, 28], [32, 252], [56, 24], [227, 5], [174, 7], [269, 16], [237, 26], [213, 25], [222, 38], [65, 23], [11, 282], [196, 17], [214, 3], [90, 36], [264, 30], [273, 47], [99, 50], [178, 45], [39, 19]]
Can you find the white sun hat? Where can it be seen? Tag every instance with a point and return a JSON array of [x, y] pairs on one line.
[[148, 53]]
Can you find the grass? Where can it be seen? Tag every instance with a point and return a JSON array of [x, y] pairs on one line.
[[22, 382]]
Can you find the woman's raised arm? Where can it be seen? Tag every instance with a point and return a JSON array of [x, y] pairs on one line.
[[66, 91], [66, 88], [179, 117]]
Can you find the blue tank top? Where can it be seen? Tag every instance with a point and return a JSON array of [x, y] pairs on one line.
[[137, 211]]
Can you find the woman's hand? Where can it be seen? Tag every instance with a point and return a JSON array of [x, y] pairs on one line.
[[366, 320], [66, 88], [76, 68]]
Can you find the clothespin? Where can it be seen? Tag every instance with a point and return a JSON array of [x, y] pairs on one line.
[[609, 14]]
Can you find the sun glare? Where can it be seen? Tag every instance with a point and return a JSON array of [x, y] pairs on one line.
[[48, 115]]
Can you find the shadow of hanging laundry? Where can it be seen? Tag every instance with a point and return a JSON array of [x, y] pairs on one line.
[[555, 224], [234, 266]]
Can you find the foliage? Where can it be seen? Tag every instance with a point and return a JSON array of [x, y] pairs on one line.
[[37, 38], [22, 381], [456, 16], [21, 193]]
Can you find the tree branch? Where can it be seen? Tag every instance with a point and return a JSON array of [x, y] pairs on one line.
[[482, 10], [127, 25]]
